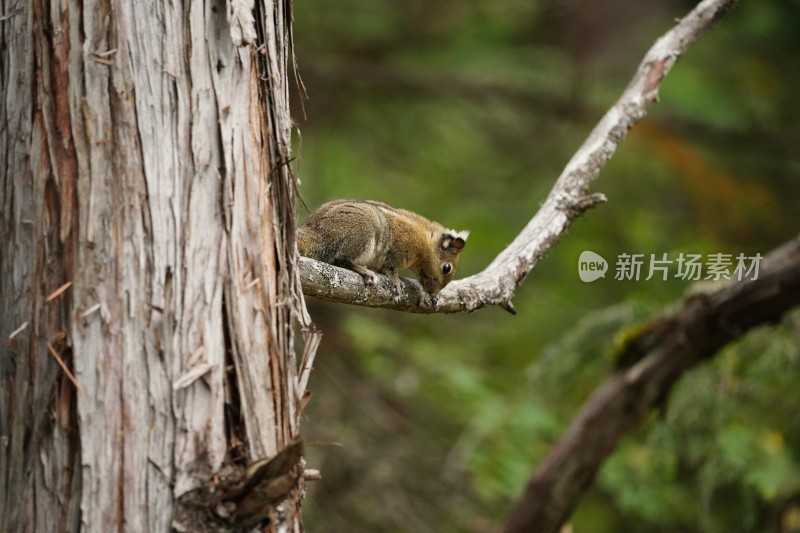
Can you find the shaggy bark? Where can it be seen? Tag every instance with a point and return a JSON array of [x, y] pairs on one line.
[[142, 170]]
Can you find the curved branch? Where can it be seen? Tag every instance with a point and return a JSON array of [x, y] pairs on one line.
[[567, 200], [662, 353]]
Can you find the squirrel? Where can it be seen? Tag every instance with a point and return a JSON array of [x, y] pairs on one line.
[[367, 236]]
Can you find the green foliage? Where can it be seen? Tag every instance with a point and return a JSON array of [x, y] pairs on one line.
[[466, 113], [723, 452]]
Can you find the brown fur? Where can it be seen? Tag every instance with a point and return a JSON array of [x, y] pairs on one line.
[[367, 236]]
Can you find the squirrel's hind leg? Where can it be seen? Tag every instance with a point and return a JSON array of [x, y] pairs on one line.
[[367, 275]]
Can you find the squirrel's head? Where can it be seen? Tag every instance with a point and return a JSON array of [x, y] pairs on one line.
[[442, 268]]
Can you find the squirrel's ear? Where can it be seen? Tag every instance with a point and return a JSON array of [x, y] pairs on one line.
[[454, 239]]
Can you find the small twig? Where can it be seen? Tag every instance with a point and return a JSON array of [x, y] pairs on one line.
[[58, 292], [92, 309], [101, 60], [106, 53], [18, 331], [63, 366], [103, 57], [251, 284], [192, 375]]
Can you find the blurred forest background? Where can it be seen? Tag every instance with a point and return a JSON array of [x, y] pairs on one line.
[[466, 111]]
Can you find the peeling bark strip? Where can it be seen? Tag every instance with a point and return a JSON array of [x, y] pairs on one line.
[[146, 218], [567, 200], [676, 343], [239, 498]]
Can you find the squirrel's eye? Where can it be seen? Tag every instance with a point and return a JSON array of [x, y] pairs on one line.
[[446, 268]]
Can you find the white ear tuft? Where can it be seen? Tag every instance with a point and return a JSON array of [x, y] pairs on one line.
[[453, 239]]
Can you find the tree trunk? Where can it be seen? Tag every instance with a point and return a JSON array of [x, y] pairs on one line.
[[147, 273]]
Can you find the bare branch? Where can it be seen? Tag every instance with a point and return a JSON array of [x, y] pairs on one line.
[[660, 355], [567, 200]]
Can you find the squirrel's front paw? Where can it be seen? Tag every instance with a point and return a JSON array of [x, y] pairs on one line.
[[397, 290], [367, 275], [370, 279]]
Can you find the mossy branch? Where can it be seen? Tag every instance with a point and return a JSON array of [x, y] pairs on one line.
[[654, 359]]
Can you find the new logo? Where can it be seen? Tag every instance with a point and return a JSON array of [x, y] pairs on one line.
[[591, 266]]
